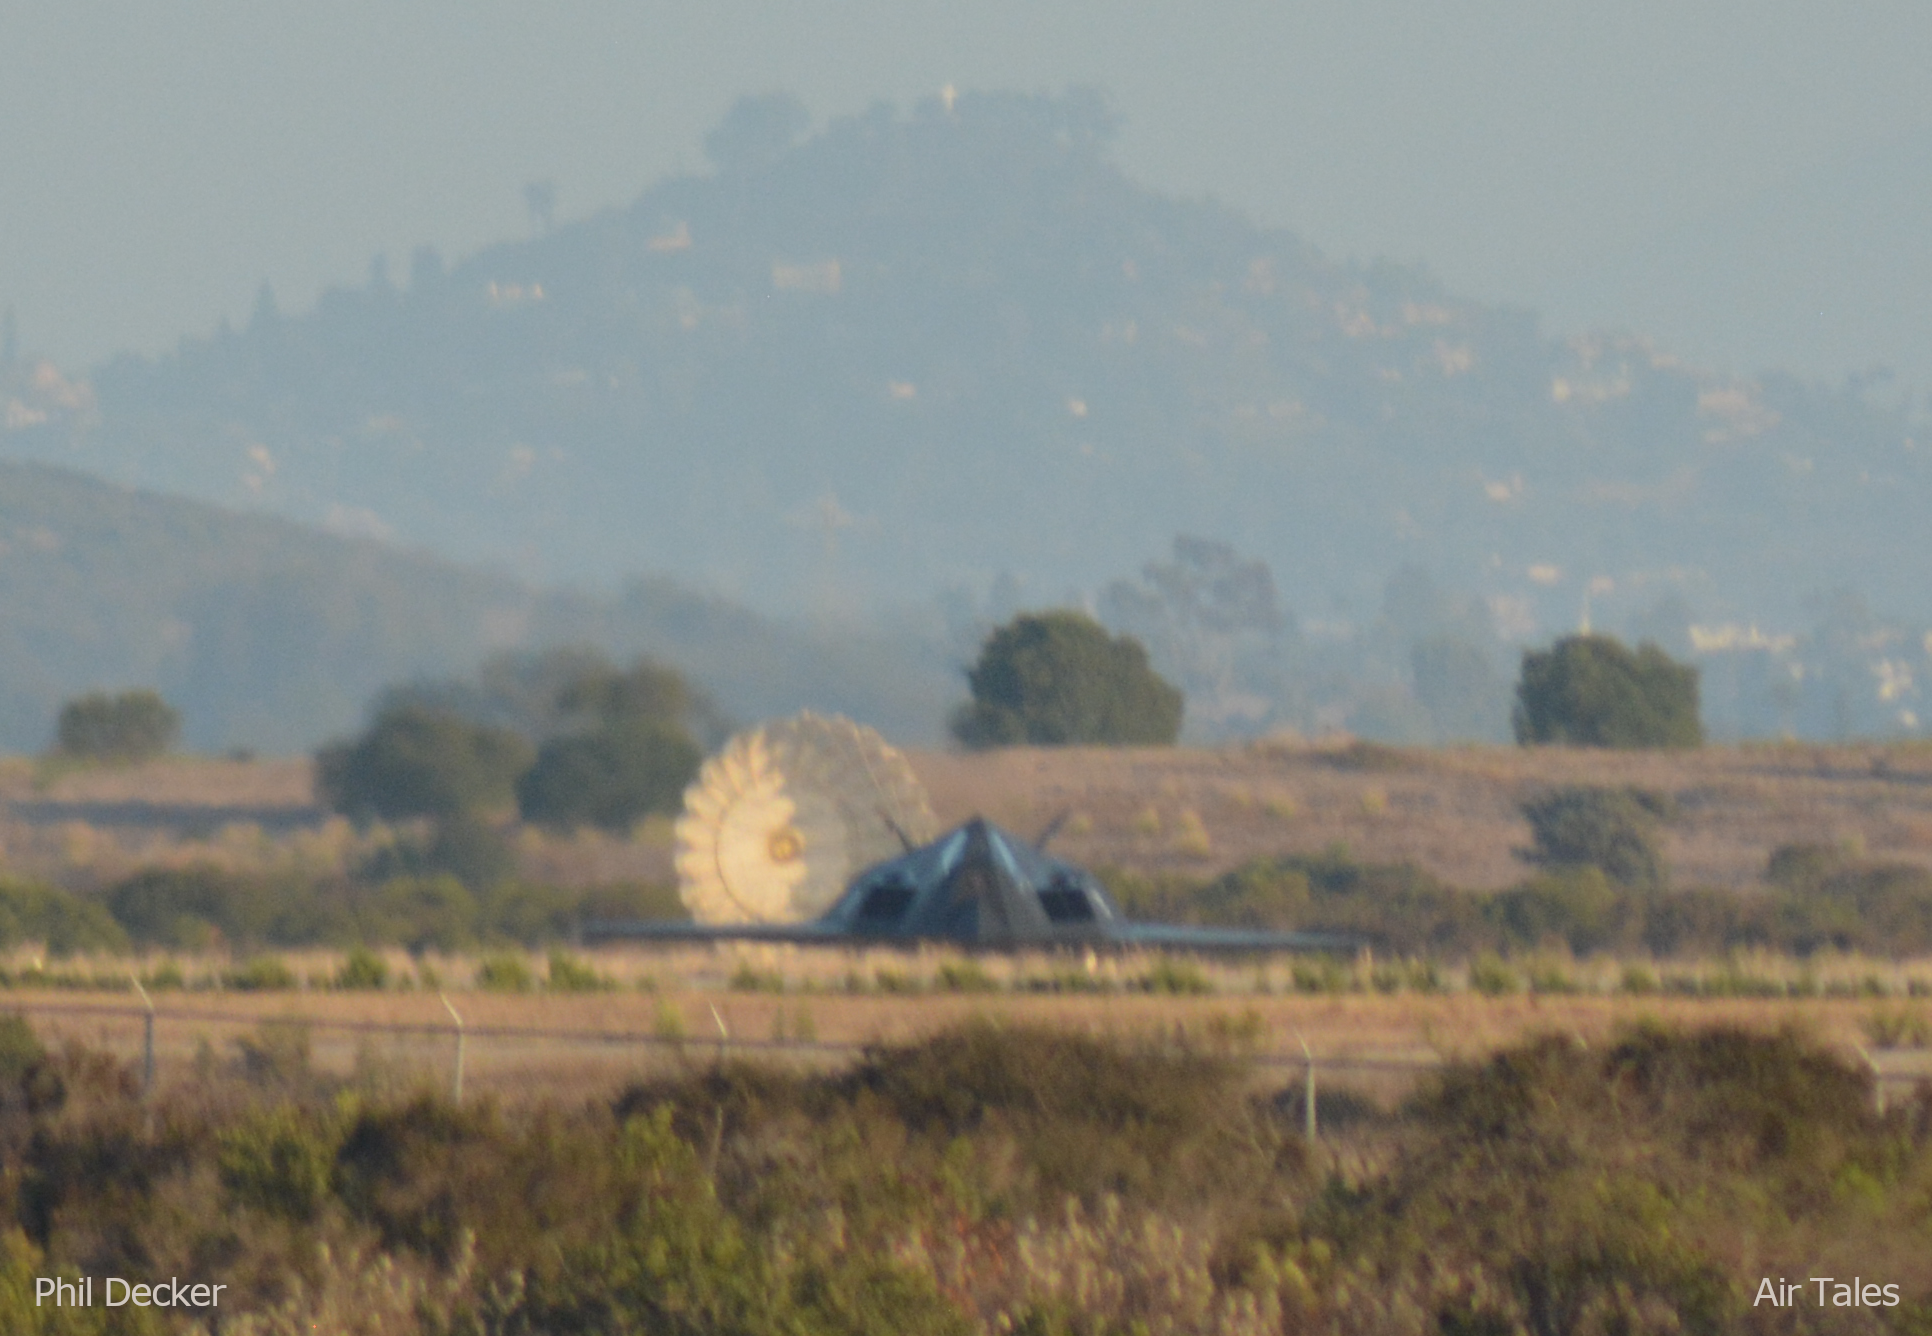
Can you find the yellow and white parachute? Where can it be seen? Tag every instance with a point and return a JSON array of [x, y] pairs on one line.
[[778, 822]]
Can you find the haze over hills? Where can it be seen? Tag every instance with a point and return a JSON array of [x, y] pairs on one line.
[[271, 636], [955, 349], [920, 349], [1827, 263]]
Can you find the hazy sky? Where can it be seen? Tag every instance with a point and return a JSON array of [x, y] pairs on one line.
[[1744, 178]]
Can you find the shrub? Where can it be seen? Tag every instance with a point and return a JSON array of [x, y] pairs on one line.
[[1639, 981], [1181, 978], [1576, 906], [58, 919], [471, 849], [570, 975], [1804, 865], [21, 1052], [188, 908], [363, 970], [278, 1161], [504, 974], [423, 914], [965, 976], [1492, 978], [132, 726], [264, 974], [1058, 679], [1322, 974], [748, 978], [1610, 829], [1592, 691]]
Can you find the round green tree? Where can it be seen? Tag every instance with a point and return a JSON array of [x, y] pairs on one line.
[[608, 778], [1593, 691], [1058, 679], [132, 726], [417, 761]]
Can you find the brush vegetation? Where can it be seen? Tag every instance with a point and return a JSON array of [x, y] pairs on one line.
[[983, 1180]]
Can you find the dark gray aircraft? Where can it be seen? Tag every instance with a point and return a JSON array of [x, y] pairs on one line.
[[981, 888]]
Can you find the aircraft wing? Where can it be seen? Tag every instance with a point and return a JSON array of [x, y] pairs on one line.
[[1175, 937]]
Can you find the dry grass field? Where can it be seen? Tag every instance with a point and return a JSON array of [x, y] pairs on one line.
[[1186, 811], [1453, 812]]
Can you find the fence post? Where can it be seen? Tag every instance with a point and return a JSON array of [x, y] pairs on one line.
[[1310, 1127], [724, 1034], [456, 1083], [1878, 1078], [147, 1041]]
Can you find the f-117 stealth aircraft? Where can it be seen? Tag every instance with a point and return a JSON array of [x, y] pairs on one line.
[[981, 888]]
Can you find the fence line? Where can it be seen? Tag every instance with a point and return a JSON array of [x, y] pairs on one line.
[[1386, 1063], [618, 1038]]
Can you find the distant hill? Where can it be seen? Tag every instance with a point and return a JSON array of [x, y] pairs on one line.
[[1845, 240], [272, 636], [920, 349]]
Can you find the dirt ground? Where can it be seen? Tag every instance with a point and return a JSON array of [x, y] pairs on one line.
[[1186, 811]]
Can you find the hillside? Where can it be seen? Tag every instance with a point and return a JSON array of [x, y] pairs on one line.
[[917, 350], [271, 636]]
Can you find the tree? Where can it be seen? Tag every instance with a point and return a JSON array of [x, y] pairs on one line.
[[1592, 691], [632, 751], [1058, 679], [608, 778], [132, 726], [417, 761], [1212, 619], [543, 694]]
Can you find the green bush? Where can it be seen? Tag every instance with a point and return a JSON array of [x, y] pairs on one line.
[[264, 974], [748, 978], [1804, 865], [1639, 981], [1058, 679], [1492, 978], [470, 848], [1575, 907], [965, 976], [131, 726], [504, 974], [1323, 974], [1613, 830], [278, 1161], [58, 919], [362, 971], [423, 914], [21, 1052], [1181, 978], [1592, 691], [570, 975]]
